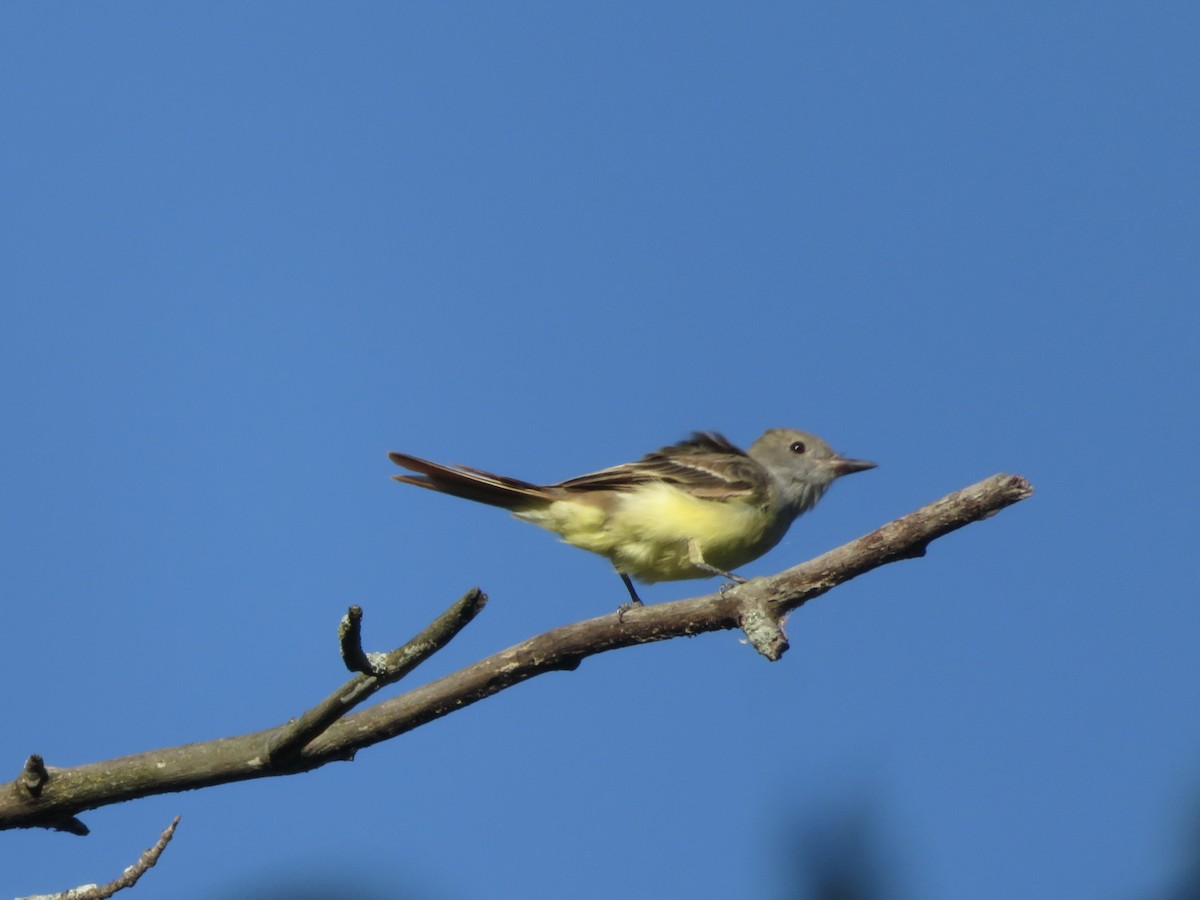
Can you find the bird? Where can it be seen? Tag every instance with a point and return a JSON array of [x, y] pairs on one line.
[[698, 508]]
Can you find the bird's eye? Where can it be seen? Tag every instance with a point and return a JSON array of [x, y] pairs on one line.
[[797, 447]]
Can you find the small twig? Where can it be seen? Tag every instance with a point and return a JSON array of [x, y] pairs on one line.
[[33, 778], [34, 775], [378, 671], [127, 879], [350, 637], [70, 825]]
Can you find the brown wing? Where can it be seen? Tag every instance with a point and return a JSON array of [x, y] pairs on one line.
[[706, 465]]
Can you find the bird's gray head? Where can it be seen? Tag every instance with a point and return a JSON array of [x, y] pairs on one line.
[[802, 465]]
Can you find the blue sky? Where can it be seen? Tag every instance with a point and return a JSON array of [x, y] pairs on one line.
[[250, 248]]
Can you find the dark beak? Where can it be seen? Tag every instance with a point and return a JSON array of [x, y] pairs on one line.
[[843, 466]]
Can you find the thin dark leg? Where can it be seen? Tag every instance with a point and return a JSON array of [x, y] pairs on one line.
[[636, 600]]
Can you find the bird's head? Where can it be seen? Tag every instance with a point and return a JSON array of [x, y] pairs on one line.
[[802, 464]]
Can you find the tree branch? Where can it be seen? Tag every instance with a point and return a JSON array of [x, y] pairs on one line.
[[326, 733], [126, 879], [378, 671]]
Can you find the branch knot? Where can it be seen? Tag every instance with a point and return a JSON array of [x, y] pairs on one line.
[[764, 630]]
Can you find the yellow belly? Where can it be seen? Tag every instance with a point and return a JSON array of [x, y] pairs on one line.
[[646, 532]]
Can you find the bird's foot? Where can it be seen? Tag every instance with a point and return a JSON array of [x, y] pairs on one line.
[[626, 607], [734, 581]]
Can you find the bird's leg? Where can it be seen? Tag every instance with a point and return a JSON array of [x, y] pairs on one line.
[[634, 598], [637, 601], [696, 558]]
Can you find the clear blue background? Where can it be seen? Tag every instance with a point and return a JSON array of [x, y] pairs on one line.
[[249, 248]]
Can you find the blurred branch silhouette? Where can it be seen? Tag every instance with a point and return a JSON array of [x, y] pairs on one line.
[[47, 797], [842, 853]]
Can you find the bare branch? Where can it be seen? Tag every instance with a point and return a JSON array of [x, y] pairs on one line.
[[350, 637], [127, 879], [382, 669], [326, 734]]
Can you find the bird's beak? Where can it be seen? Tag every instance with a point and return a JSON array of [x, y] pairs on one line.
[[842, 466]]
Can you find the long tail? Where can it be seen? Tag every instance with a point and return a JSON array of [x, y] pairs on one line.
[[470, 484]]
